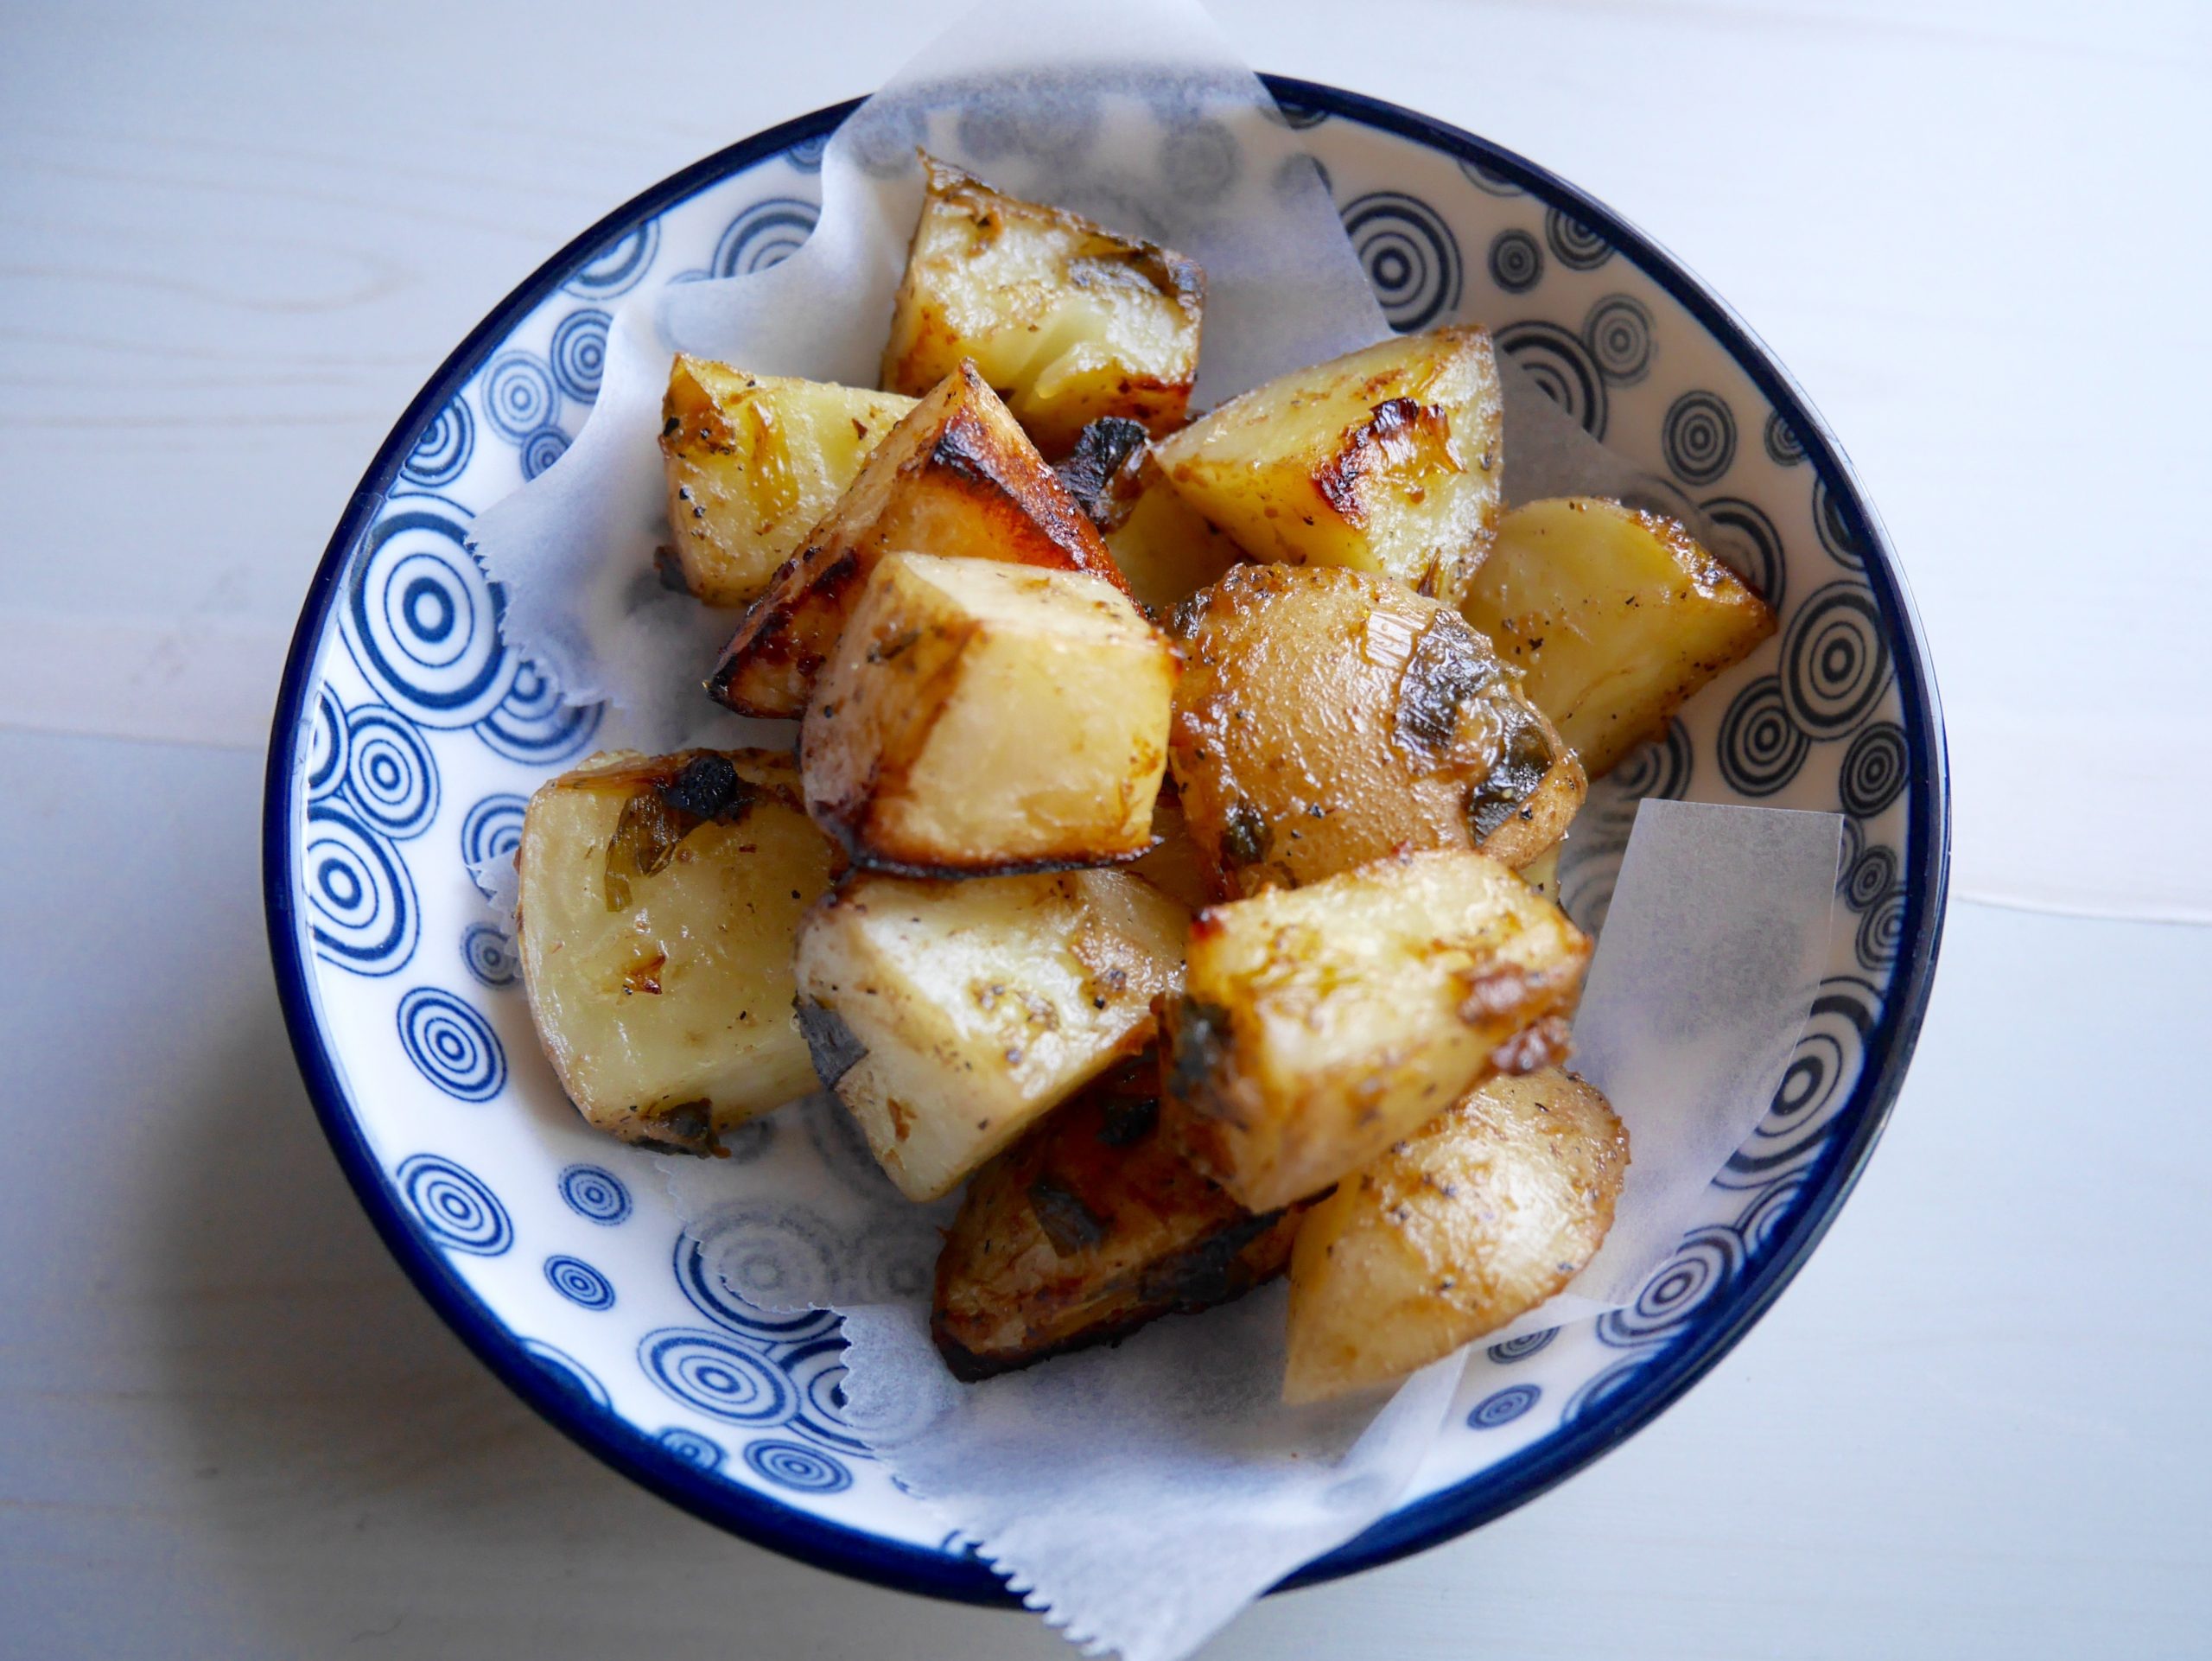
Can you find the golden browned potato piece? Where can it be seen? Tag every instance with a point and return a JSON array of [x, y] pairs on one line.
[[1069, 322], [1327, 718], [1089, 1227], [955, 476], [981, 717], [659, 899], [1166, 548], [1319, 1025], [1469, 1222], [1616, 616], [1387, 461], [753, 462], [950, 1016]]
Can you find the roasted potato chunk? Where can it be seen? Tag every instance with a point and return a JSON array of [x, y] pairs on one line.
[[1616, 616], [753, 462], [1469, 1222], [1327, 718], [978, 716], [1089, 1227], [659, 899], [1319, 1025], [1069, 322], [950, 1016], [955, 476], [1388, 460], [1166, 548]]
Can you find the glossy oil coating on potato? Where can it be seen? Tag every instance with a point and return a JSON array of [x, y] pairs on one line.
[[981, 717], [1387, 460], [1066, 320], [1319, 1025], [1467, 1224], [659, 900], [955, 476], [1327, 718], [753, 463], [1088, 1227], [950, 1016], [1616, 615], [1167, 548]]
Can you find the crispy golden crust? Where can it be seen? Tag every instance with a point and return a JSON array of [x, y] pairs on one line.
[[1319, 1025], [1088, 1228], [1327, 718], [956, 476]]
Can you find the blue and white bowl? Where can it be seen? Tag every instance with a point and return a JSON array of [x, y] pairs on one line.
[[408, 737]]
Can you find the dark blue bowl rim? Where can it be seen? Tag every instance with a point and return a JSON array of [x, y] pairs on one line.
[[1480, 1499]]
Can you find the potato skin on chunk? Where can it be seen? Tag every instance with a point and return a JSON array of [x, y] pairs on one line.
[[1327, 718], [1388, 459], [1087, 1228], [1469, 1223]]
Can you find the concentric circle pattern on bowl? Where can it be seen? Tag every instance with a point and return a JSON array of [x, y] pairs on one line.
[[407, 738]]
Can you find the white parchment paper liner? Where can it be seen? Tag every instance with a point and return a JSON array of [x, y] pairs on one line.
[[1142, 1494], [1139, 1495]]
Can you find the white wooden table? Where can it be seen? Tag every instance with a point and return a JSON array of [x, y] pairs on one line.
[[233, 239]]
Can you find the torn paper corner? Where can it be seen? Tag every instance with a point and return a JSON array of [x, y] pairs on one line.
[[1711, 955], [498, 880]]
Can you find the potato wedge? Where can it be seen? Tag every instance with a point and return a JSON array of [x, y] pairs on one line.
[[982, 718], [753, 462], [1616, 616], [1469, 1222], [1068, 321], [1089, 1227], [950, 1016], [955, 476], [1387, 461], [1327, 718], [1167, 548], [1319, 1025], [659, 899]]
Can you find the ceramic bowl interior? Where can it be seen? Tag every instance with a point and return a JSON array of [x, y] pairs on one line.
[[408, 737]]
